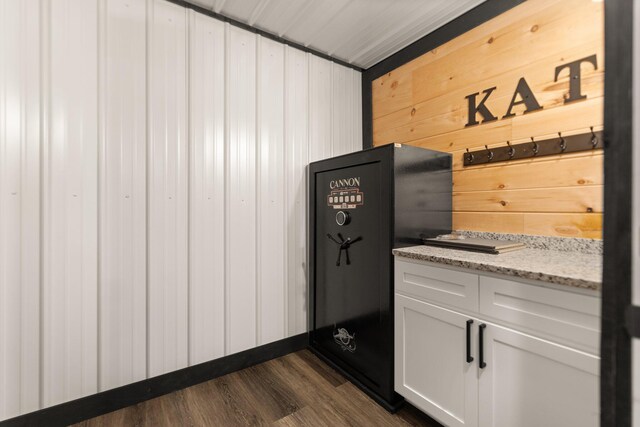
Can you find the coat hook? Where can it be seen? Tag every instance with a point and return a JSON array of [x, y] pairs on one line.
[[535, 146], [470, 156], [563, 143], [594, 139], [489, 152], [512, 151]]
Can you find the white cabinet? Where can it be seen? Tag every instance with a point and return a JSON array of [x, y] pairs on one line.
[[531, 382], [431, 367], [518, 364]]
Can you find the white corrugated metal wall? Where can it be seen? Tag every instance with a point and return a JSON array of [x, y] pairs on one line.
[[152, 190]]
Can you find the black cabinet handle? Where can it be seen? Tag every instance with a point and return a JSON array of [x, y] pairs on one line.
[[482, 363], [469, 357]]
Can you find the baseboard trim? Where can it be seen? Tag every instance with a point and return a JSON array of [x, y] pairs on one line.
[[107, 401]]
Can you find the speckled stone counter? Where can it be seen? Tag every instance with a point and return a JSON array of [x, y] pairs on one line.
[[563, 244], [563, 267]]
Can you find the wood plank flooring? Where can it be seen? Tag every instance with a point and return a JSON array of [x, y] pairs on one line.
[[295, 390]]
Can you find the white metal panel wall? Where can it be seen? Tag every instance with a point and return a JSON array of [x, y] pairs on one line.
[[207, 226], [168, 189], [356, 124], [241, 242], [296, 120], [169, 152], [271, 204], [70, 194], [346, 108], [122, 251], [320, 108], [19, 207], [342, 110]]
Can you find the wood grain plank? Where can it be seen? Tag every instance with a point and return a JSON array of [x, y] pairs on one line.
[[570, 120], [391, 92], [551, 224], [297, 374], [168, 410], [558, 28], [387, 96], [311, 394], [423, 103], [567, 225], [368, 410], [582, 114], [324, 370], [269, 394], [491, 133], [225, 400], [307, 417], [563, 199], [578, 171], [502, 222], [449, 111]]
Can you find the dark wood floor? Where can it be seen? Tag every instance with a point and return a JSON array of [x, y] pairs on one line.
[[294, 390]]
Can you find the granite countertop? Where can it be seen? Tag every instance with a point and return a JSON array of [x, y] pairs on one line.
[[581, 268]]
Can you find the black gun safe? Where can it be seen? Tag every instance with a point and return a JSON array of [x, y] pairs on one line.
[[361, 206]]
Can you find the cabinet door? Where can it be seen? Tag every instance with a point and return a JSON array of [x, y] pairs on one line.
[[431, 368], [530, 382]]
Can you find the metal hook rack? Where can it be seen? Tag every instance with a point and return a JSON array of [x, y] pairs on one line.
[[548, 147]]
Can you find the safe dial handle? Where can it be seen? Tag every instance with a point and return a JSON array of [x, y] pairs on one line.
[[343, 218]]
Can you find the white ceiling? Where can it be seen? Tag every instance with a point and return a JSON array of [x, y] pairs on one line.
[[360, 32]]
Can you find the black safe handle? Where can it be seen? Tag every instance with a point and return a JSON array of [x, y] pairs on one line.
[[482, 363], [469, 357]]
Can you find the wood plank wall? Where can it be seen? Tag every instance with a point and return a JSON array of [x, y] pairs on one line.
[[423, 103]]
